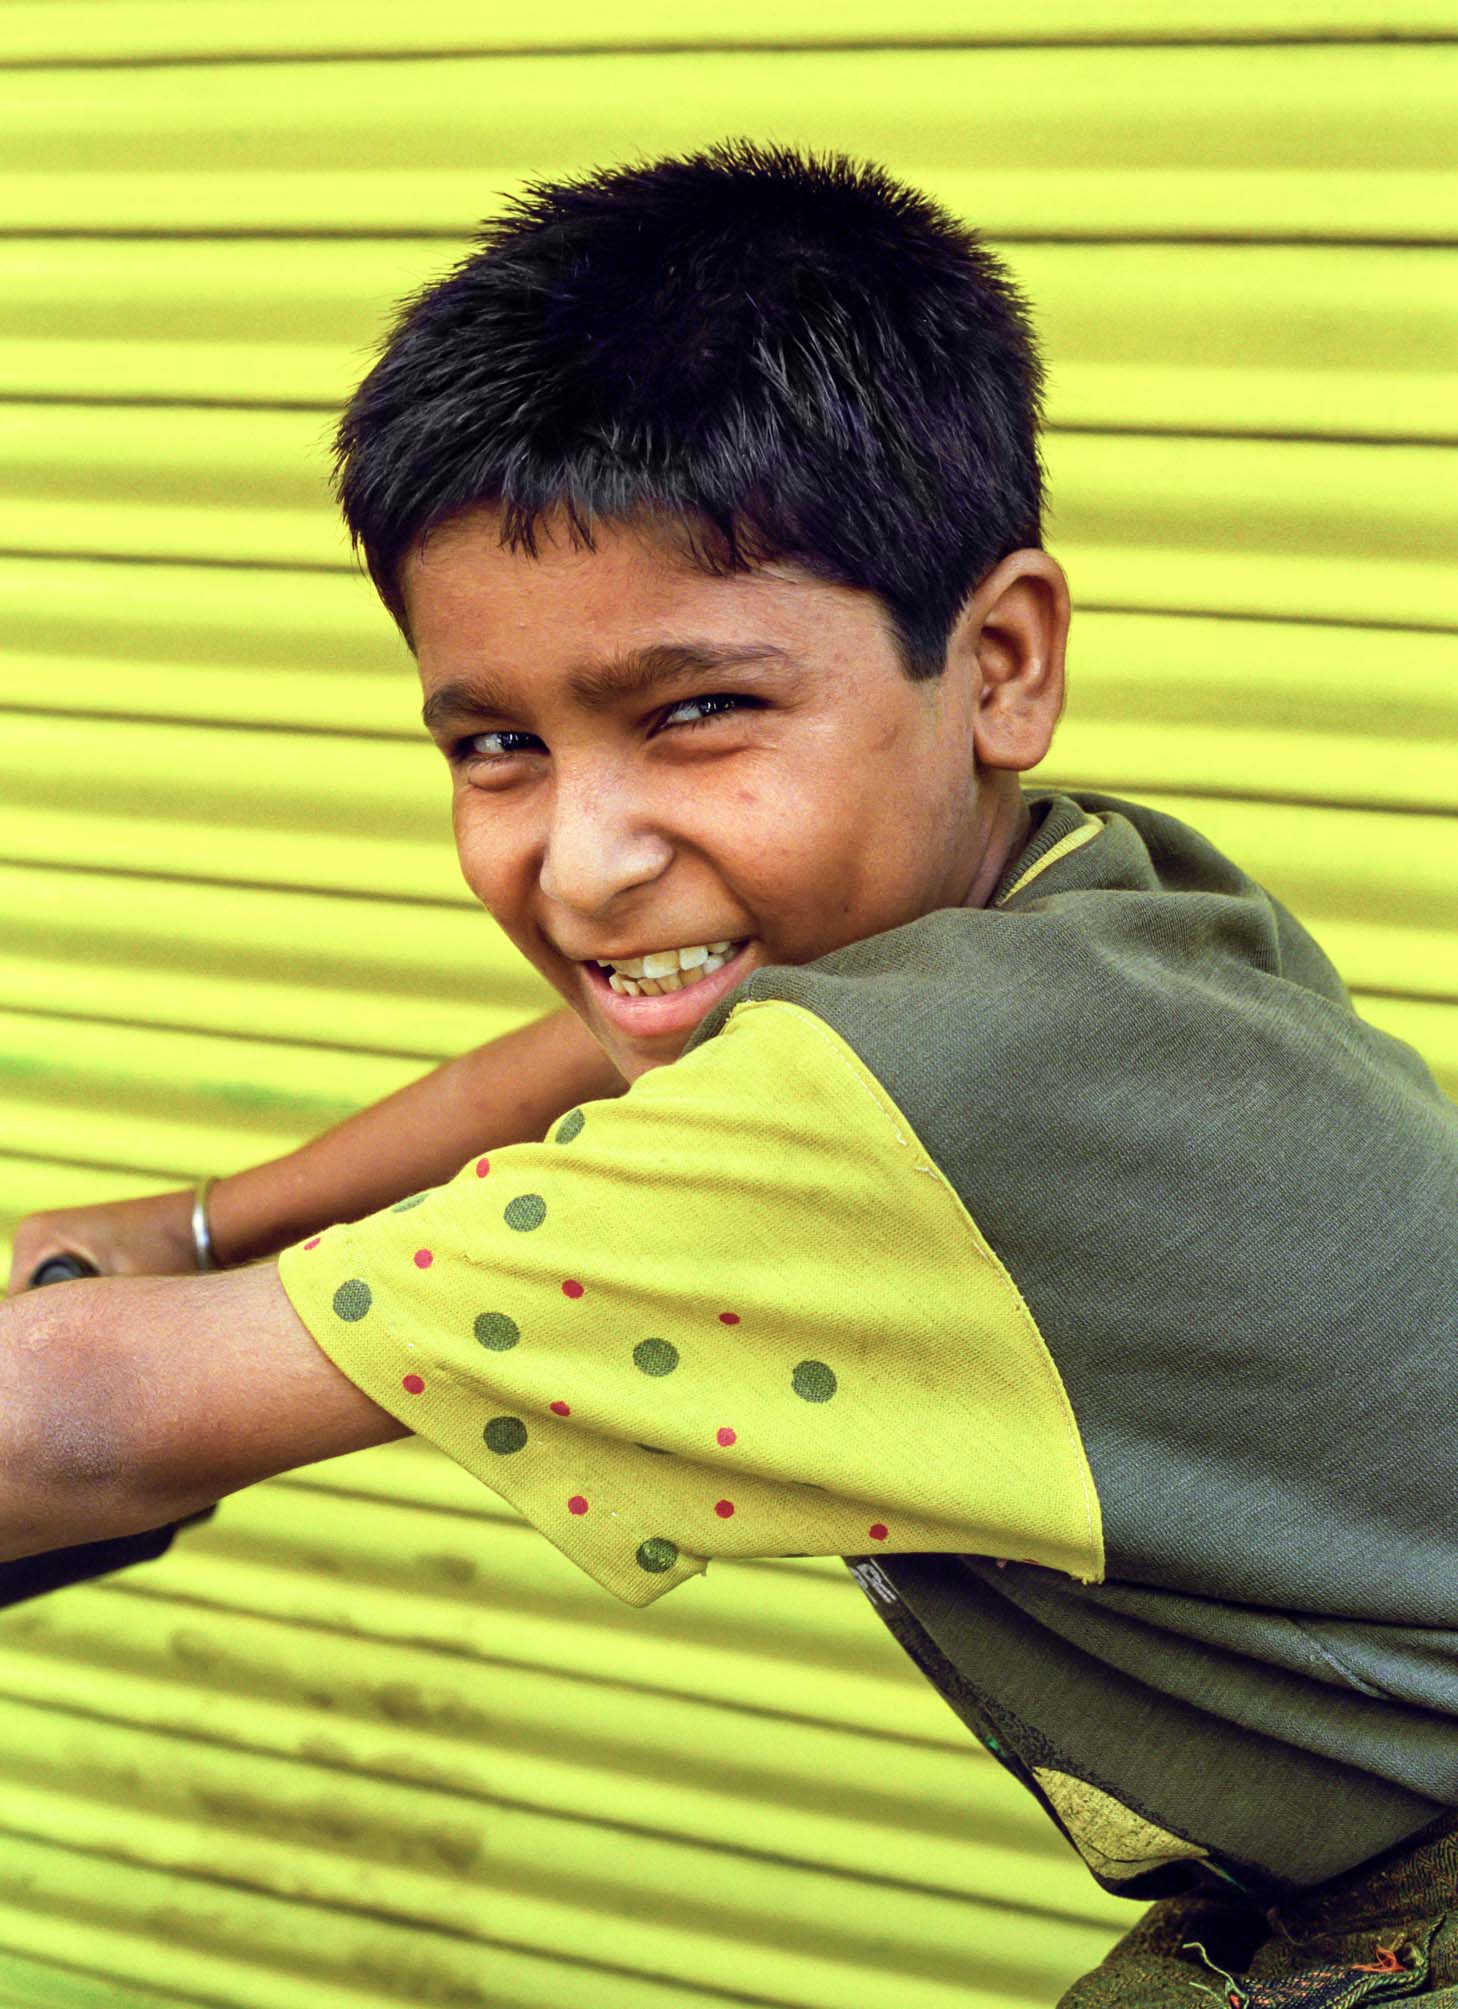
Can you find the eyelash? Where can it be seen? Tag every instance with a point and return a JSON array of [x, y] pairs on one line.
[[714, 704]]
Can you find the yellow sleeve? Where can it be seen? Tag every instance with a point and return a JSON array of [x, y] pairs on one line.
[[736, 1312]]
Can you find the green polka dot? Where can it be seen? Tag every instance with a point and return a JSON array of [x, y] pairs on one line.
[[570, 1126], [505, 1434], [655, 1356], [496, 1330], [657, 1555], [404, 1206], [525, 1212], [813, 1381], [353, 1300]]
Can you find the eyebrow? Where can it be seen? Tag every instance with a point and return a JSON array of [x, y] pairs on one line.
[[599, 686]]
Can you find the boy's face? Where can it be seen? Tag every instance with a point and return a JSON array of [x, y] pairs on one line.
[[648, 759]]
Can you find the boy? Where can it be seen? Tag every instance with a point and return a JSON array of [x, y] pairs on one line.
[[1005, 1195]]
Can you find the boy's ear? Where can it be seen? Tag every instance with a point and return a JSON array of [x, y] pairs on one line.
[[1012, 637]]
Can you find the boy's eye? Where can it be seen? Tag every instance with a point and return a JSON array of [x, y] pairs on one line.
[[498, 745], [698, 711]]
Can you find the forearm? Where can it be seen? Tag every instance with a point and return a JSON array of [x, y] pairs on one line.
[[508, 1092]]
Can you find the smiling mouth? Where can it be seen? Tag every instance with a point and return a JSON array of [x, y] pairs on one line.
[[671, 1002]]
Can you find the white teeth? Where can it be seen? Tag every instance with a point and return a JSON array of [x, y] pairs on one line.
[[664, 969]]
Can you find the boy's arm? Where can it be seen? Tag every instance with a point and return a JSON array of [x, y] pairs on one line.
[[736, 1311], [507, 1092], [130, 1402]]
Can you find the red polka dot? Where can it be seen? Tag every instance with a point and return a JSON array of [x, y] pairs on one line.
[[423, 1259], [483, 1166], [723, 1508], [560, 1409], [727, 1437], [413, 1385], [877, 1531], [314, 1243], [577, 1505], [728, 1318], [572, 1288]]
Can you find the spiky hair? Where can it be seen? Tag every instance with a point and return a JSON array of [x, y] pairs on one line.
[[790, 356]]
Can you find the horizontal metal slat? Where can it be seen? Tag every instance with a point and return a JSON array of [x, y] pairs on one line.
[[257, 808], [89, 31], [24, 1983], [1335, 532], [415, 981], [1258, 709], [648, 1904], [1348, 340], [213, 1940], [173, 1101], [205, 642], [1319, 141], [235, 1946], [620, 1756], [777, 1639]]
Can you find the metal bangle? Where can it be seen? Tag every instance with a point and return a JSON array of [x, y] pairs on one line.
[[202, 1240]]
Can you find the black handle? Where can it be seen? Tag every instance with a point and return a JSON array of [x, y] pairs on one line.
[[60, 1270]]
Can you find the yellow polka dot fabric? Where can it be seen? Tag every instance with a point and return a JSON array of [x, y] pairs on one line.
[[737, 1311]]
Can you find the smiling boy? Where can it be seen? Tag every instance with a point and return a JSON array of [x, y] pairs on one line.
[[747, 770], [1005, 1197]]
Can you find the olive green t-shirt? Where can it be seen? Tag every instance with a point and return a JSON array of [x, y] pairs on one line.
[[1081, 1268]]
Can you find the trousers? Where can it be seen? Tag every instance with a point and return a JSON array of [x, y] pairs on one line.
[[1385, 1932]]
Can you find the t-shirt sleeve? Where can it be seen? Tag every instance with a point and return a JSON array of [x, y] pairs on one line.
[[737, 1311]]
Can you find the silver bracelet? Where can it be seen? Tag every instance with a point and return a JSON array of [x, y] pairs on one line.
[[202, 1240]]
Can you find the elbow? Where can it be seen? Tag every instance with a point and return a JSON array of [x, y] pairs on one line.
[[66, 1474]]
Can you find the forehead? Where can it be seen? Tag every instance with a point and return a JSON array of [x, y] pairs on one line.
[[467, 596]]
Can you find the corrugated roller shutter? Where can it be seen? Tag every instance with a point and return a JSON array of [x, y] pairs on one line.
[[364, 1739]]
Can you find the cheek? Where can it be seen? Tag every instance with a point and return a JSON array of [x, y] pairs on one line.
[[491, 863]]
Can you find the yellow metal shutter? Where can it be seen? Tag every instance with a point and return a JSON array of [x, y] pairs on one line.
[[364, 1739]]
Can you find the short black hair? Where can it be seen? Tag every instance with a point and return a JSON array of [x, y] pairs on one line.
[[788, 356]]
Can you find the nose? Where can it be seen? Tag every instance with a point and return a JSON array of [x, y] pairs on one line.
[[600, 844]]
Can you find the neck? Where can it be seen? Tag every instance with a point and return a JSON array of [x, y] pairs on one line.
[[1006, 835]]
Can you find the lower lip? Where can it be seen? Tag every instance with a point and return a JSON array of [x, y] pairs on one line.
[[672, 1011]]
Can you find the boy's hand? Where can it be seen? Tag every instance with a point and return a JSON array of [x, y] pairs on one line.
[[151, 1236]]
